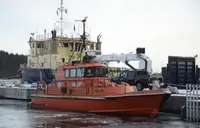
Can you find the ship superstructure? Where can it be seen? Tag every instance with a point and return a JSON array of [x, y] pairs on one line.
[[51, 50]]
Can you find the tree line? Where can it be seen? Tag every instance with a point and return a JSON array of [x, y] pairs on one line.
[[10, 64]]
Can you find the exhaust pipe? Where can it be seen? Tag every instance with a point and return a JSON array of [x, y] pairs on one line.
[[98, 38]]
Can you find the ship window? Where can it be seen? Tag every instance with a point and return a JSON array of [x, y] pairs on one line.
[[98, 46], [65, 44], [72, 46], [92, 46], [72, 72], [38, 45], [66, 73], [76, 46], [63, 60], [79, 47], [80, 72]]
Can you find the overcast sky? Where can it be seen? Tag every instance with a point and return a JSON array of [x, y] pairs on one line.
[[163, 27]]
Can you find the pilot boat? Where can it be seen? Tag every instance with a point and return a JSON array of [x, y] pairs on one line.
[[83, 86]]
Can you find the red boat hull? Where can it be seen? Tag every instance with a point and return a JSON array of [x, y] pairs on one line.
[[138, 105]]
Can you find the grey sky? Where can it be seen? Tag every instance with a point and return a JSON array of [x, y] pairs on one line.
[[164, 27]]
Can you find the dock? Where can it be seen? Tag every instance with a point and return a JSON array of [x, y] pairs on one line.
[[192, 107], [18, 93], [186, 103], [11, 89]]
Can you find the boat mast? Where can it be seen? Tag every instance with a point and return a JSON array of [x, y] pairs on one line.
[[83, 37], [62, 10]]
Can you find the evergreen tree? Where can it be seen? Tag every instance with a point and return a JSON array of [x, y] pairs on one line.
[[10, 63]]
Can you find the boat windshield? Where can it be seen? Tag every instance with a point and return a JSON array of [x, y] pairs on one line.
[[95, 72], [87, 72]]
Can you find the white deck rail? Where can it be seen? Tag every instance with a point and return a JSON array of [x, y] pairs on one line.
[[192, 102]]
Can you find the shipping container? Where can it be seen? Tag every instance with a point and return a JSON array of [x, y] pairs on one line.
[[180, 70]]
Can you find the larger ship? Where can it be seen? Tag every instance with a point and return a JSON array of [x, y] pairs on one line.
[[48, 51], [51, 50]]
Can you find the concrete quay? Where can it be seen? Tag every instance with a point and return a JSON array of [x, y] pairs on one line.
[[174, 104], [18, 93]]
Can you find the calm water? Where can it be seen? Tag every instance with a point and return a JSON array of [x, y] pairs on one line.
[[15, 114]]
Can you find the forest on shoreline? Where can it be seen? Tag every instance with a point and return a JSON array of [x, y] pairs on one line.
[[10, 64]]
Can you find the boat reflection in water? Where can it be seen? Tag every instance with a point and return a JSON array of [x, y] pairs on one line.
[[73, 120], [14, 114]]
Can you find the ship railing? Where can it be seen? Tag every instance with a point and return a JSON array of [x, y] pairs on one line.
[[43, 37]]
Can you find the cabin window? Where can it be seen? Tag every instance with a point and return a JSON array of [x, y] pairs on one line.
[[87, 72], [96, 72], [101, 71], [66, 73], [72, 72], [80, 72], [90, 72]]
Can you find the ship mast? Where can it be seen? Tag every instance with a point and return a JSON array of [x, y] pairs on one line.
[[62, 10]]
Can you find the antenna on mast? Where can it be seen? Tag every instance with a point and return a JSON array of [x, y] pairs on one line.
[[83, 37], [62, 10]]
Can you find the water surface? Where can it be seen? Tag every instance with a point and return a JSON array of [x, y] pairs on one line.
[[16, 114]]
